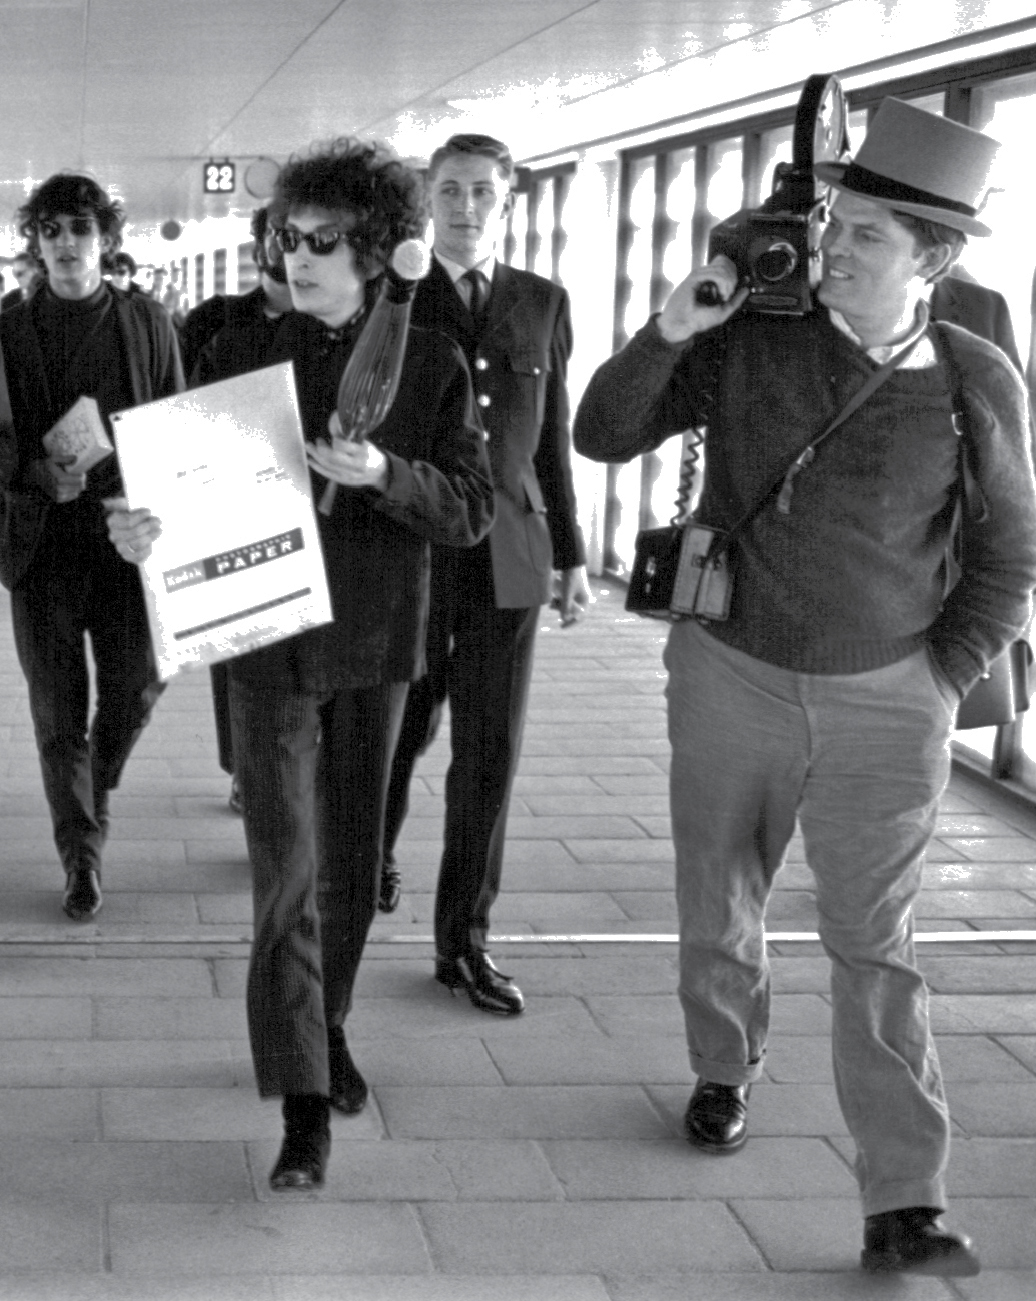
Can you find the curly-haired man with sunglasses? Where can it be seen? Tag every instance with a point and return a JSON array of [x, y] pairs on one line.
[[76, 337], [315, 718]]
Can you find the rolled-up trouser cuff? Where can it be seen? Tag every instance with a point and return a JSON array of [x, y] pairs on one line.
[[903, 1193], [726, 1072]]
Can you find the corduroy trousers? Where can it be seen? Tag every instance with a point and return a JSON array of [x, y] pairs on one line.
[[861, 760]]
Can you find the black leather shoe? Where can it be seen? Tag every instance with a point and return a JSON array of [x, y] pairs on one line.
[[717, 1117], [391, 888], [82, 897], [912, 1241], [487, 988], [348, 1087], [307, 1144]]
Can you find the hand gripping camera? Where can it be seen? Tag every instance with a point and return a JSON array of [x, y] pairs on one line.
[[776, 248]]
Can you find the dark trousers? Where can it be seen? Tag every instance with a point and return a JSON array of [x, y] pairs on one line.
[[220, 674], [481, 657], [313, 771], [64, 596]]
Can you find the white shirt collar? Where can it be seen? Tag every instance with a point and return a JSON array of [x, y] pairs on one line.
[[454, 270], [922, 356]]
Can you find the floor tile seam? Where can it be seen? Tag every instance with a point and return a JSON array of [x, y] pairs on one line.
[[424, 1229], [999, 1038], [106, 1240]]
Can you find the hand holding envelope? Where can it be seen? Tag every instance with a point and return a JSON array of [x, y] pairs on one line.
[[74, 445]]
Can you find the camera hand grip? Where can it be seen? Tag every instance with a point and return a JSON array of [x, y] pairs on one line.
[[708, 294]]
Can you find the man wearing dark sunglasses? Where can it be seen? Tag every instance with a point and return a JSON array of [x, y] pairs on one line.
[[77, 337], [315, 717]]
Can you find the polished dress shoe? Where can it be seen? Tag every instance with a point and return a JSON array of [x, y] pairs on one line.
[[912, 1241], [391, 888], [717, 1117], [487, 988], [348, 1087], [307, 1144], [82, 897]]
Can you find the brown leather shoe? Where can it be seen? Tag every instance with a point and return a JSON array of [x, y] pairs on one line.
[[912, 1241], [489, 989], [717, 1117]]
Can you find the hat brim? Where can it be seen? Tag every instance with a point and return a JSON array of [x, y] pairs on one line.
[[832, 174]]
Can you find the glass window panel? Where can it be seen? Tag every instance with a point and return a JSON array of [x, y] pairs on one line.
[[638, 264], [857, 129], [627, 489], [678, 259], [1006, 111], [930, 103], [519, 229], [774, 148], [725, 188], [544, 228]]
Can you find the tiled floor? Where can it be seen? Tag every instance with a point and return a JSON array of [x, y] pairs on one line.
[[498, 1160]]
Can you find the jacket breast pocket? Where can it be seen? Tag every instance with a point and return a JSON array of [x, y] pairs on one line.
[[528, 369], [530, 362]]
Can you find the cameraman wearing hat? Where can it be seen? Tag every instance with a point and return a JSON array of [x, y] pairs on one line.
[[829, 693]]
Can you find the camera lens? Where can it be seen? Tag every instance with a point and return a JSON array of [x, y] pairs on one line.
[[776, 263]]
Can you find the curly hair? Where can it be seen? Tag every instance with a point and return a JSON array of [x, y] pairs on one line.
[[68, 194], [364, 180]]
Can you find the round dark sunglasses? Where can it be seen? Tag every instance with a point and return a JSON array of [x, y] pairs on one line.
[[319, 242], [77, 226]]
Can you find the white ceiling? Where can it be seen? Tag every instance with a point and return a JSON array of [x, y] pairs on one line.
[[141, 92]]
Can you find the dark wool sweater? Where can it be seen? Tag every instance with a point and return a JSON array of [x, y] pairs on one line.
[[851, 579], [82, 354]]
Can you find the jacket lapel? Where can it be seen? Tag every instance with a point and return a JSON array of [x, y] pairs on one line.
[[140, 389], [504, 300]]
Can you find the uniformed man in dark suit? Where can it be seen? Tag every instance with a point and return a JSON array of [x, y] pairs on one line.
[[516, 333]]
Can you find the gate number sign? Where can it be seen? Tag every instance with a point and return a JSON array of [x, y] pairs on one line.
[[219, 178]]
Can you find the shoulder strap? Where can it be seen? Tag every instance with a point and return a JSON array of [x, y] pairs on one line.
[[857, 400], [967, 485], [783, 485]]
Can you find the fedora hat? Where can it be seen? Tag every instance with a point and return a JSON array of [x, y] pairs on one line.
[[920, 163]]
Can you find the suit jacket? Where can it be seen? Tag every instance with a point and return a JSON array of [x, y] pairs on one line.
[[519, 368], [982, 311], [11, 299], [152, 363]]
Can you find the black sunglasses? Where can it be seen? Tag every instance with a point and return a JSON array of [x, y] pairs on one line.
[[77, 226], [319, 242]]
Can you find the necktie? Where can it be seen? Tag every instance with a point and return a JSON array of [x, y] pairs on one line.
[[479, 294]]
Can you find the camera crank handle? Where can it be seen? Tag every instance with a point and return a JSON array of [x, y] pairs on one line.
[[708, 294]]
